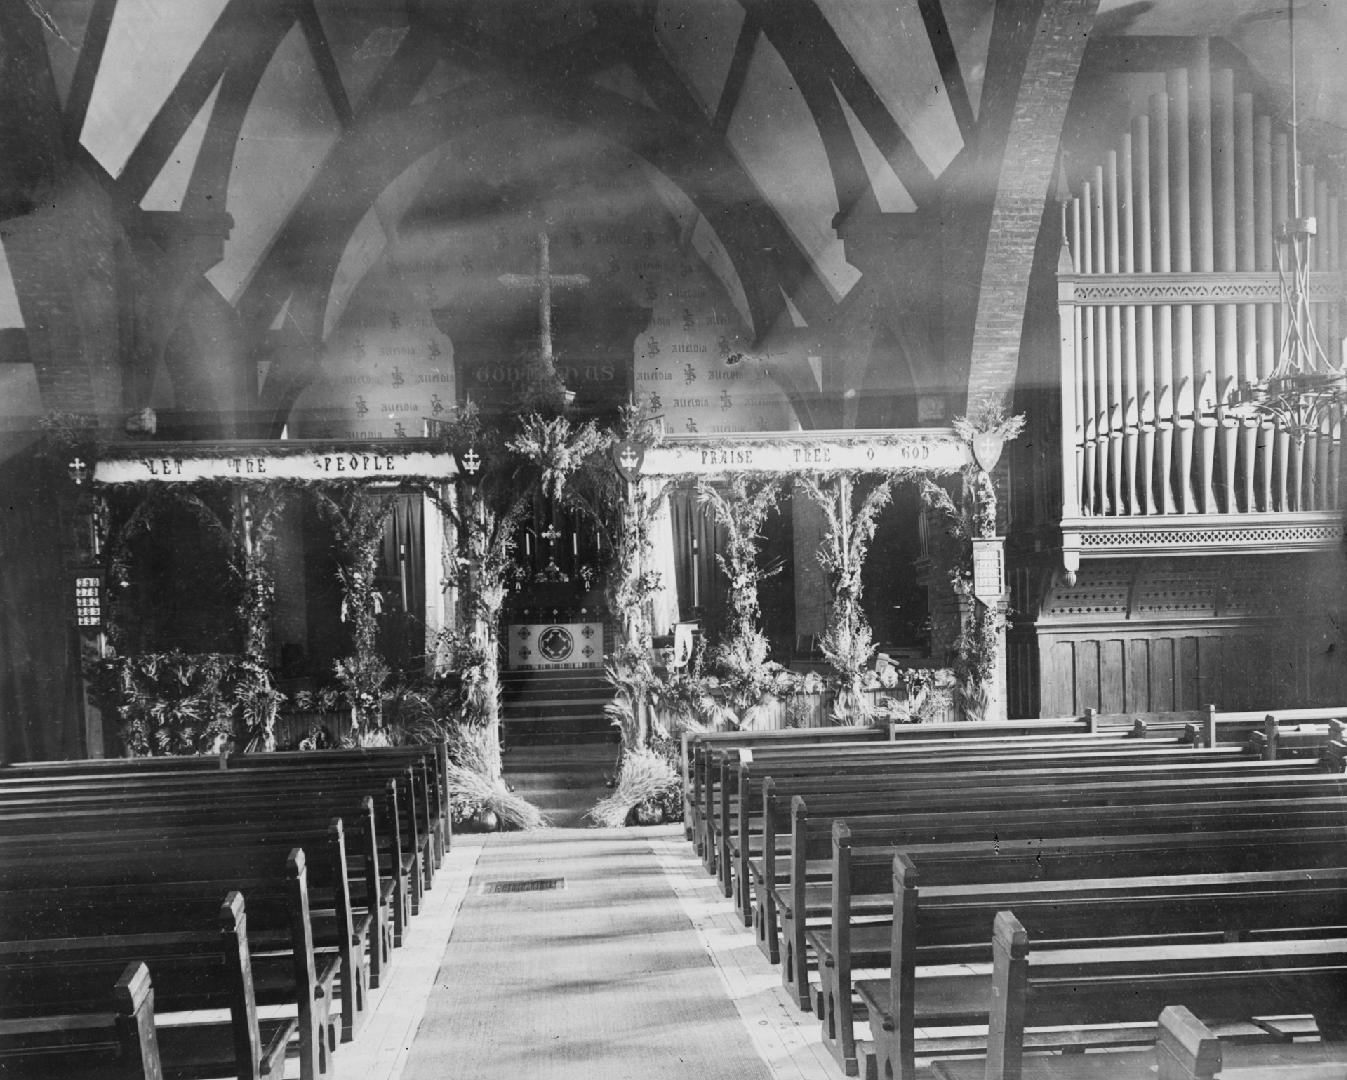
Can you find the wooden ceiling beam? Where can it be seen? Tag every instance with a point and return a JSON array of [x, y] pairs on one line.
[[733, 89], [246, 28], [315, 34], [86, 68], [807, 42], [947, 60]]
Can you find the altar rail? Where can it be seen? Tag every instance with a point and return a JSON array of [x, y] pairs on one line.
[[1168, 299]]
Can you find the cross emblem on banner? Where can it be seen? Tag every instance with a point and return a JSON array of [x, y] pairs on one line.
[[472, 461], [544, 281]]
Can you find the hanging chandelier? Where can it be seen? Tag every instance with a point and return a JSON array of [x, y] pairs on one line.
[[1305, 389]]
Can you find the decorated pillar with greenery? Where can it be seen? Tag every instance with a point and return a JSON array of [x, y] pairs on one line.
[[847, 642], [256, 515], [490, 503], [972, 561], [631, 585], [358, 519], [741, 507]]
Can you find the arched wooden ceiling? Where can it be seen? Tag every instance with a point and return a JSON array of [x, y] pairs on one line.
[[372, 87]]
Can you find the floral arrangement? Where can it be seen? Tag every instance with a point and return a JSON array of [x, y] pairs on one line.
[[556, 448], [188, 703]]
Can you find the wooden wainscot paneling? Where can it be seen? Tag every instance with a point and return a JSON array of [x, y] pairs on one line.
[[1155, 637]]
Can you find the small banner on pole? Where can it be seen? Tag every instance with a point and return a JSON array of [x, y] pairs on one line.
[[628, 456]]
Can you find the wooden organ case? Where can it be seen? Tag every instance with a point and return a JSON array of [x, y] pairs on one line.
[[1201, 546]]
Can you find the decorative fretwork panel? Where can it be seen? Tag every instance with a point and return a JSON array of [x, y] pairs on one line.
[[1099, 590], [1186, 592]]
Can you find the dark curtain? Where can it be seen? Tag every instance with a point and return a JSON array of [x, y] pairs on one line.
[[41, 713], [180, 593], [776, 593], [696, 542], [402, 581], [894, 599]]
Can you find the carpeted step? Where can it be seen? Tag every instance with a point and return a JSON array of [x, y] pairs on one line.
[[562, 706], [562, 779]]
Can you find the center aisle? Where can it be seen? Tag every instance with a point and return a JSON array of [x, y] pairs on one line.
[[605, 976]]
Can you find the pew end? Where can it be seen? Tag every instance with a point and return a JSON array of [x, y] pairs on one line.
[[1185, 1048]]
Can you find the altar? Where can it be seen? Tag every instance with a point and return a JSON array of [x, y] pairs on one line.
[[555, 646]]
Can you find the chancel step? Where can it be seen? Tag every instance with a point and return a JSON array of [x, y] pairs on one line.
[[555, 706]]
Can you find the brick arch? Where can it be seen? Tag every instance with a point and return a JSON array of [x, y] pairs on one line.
[[1042, 74]]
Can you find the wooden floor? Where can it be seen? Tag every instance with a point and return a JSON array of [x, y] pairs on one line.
[[784, 1039]]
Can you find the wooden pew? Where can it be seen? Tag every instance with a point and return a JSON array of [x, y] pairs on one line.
[[430, 764], [25, 810], [938, 924], [410, 827], [1173, 723], [860, 888], [129, 886], [1236, 726], [1279, 738], [792, 875], [348, 877], [432, 757], [737, 818], [1186, 1049], [1103, 985], [116, 1041], [724, 764], [699, 747], [193, 971], [736, 786], [107, 817], [1086, 857]]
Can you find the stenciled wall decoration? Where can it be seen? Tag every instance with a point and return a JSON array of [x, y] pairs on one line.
[[450, 308]]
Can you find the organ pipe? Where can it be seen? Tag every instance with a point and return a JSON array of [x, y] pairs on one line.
[[1173, 302]]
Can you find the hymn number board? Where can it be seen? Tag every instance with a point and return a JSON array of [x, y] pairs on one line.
[[989, 570], [89, 601]]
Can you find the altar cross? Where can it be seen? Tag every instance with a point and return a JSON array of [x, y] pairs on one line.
[[544, 281]]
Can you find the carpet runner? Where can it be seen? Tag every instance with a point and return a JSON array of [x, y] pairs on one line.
[[597, 975]]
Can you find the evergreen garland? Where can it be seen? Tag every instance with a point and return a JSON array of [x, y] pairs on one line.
[[741, 507], [978, 644], [847, 642], [185, 703], [357, 519], [630, 667], [486, 516]]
